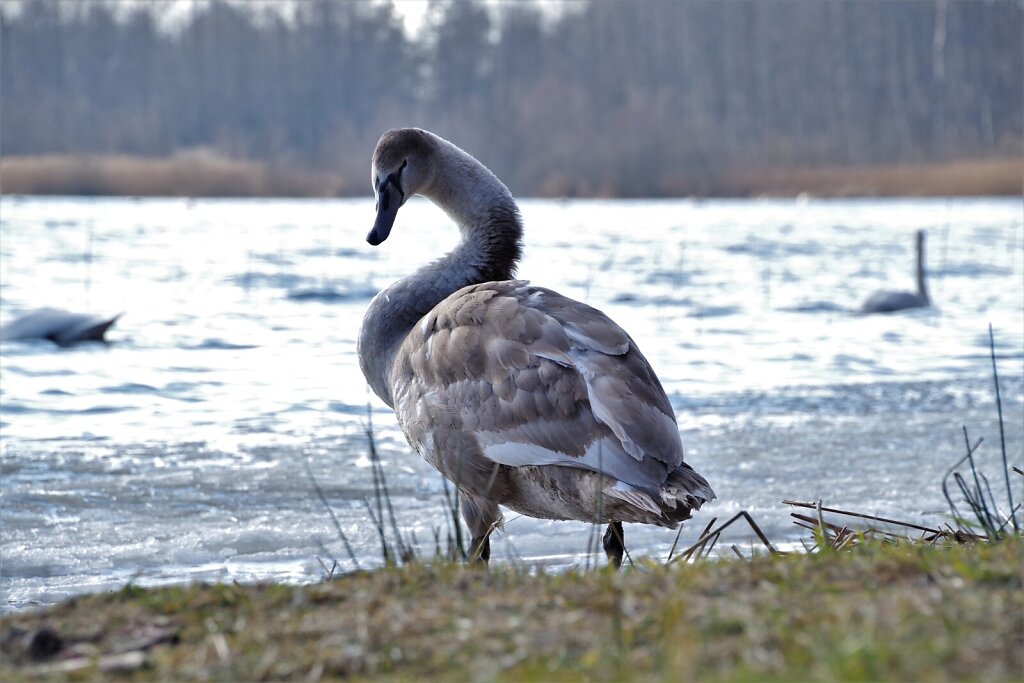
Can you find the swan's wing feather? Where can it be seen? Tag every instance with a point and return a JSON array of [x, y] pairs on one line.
[[585, 325], [535, 379], [623, 389]]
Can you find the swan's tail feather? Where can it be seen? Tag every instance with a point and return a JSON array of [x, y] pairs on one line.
[[668, 505], [635, 497], [686, 486]]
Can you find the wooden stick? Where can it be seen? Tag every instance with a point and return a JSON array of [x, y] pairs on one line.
[[816, 506], [742, 514], [702, 535]]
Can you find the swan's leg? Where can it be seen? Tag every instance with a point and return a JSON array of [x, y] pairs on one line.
[[482, 516], [614, 545], [480, 549]]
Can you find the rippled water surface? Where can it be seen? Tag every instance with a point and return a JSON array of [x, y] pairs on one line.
[[183, 450]]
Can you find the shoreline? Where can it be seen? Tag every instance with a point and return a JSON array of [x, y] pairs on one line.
[[206, 174]]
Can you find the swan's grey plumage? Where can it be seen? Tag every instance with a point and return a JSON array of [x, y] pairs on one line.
[[63, 328], [519, 395], [892, 301]]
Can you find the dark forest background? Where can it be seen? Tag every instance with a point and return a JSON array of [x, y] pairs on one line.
[[651, 97]]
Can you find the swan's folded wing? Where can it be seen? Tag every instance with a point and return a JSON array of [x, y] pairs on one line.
[[537, 379], [622, 387]]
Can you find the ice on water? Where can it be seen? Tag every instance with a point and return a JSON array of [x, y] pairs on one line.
[[179, 452]]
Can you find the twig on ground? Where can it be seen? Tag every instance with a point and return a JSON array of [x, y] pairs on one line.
[[328, 573], [979, 505], [945, 490], [814, 506], [711, 533], [406, 551], [334, 518], [702, 535], [385, 549], [452, 504], [675, 542], [1002, 430]]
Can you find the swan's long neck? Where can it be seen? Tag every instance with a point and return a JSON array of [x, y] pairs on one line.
[[922, 288], [490, 249]]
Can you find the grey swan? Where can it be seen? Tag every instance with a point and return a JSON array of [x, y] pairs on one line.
[[890, 301], [520, 396], [61, 327]]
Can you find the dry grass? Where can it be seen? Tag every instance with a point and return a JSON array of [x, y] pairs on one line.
[[202, 173], [197, 173], [989, 177], [896, 612]]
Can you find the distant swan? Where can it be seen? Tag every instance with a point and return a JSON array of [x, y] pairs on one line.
[[520, 396], [61, 327], [889, 302]]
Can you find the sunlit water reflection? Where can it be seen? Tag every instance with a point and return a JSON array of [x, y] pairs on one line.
[[179, 452]]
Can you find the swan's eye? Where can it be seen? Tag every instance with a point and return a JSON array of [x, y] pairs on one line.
[[394, 180]]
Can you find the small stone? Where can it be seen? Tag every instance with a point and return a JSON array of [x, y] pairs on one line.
[[44, 644]]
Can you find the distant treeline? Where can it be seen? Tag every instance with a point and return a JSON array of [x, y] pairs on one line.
[[647, 98]]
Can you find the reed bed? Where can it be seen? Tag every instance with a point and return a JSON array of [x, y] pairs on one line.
[[981, 177], [194, 173], [205, 173]]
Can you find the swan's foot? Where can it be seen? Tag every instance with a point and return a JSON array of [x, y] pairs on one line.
[[482, 517], [614, 545], [480, 549]]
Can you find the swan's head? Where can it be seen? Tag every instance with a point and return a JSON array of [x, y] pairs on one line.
[[402, 166]]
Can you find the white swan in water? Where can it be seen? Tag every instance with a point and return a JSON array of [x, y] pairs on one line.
[[520, 396], [61, 327], [889, 302]]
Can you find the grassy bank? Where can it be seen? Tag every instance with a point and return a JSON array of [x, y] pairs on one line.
[[902, 612], [205, 174]]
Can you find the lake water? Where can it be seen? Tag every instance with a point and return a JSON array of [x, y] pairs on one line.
[[180, 451]]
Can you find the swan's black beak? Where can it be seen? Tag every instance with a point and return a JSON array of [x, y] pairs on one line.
[[388, 202], [389, 199]]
